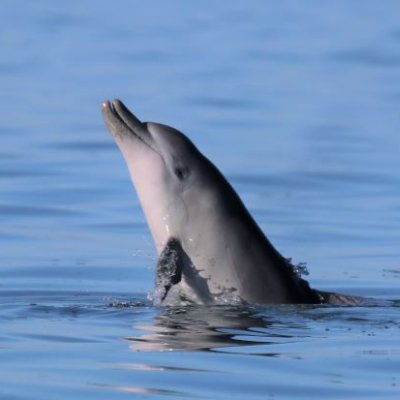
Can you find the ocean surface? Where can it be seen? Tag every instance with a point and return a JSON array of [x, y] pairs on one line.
[[298, 104]]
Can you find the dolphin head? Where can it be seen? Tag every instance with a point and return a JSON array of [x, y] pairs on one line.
[[165, 167]]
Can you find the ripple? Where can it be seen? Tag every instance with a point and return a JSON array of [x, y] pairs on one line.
[[223, 103], [86, 146], [36, 211], [368, 57]]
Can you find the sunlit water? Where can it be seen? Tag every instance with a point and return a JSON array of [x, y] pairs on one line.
[[297, 103]]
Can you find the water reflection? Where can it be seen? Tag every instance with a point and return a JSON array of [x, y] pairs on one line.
[[202, 328], [212, 328]]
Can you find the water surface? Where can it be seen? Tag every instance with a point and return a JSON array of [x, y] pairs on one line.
[[297, 104]]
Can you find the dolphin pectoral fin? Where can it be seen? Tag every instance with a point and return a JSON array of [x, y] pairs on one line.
[[175, 266], [169, 268]]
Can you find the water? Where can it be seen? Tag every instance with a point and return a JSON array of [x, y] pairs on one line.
[[297, 103]]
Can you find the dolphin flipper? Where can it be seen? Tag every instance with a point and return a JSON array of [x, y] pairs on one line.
[[169, 268]]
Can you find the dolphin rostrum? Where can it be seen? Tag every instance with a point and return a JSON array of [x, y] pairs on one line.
[[211, 251]]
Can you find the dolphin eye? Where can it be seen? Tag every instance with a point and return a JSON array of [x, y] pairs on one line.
[[181, 172]]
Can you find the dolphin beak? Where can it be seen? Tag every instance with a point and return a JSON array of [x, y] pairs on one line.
[[122, 123], [119, 109]]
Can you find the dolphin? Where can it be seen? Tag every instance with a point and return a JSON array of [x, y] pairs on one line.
[[211, 250]]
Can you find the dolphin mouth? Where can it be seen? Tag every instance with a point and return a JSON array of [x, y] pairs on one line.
[[122, 123]]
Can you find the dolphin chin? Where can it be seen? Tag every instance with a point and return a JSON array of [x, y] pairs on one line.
[[211, 251]]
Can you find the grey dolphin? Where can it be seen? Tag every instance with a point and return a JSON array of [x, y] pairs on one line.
[[210, 248]]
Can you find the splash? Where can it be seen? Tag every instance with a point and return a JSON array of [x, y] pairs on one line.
[[300, 269]]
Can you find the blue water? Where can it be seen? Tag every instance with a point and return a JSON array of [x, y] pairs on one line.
[[298, 103]]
